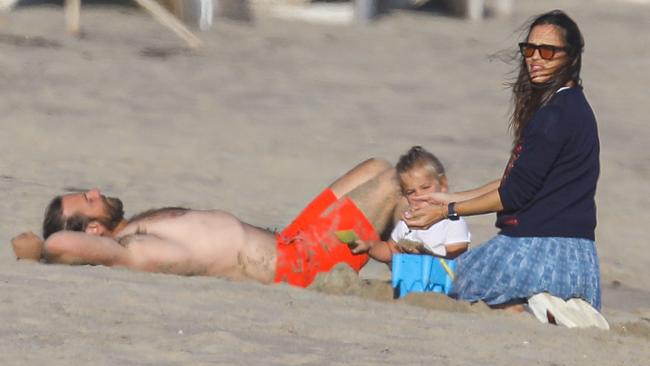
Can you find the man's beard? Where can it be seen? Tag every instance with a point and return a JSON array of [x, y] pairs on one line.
[[114, 212]]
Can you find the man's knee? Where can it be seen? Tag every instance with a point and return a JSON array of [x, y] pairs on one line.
[[387, 180], [377, 164], [361, 174], [381, 191]]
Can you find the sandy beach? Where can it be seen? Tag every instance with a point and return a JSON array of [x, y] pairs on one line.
[[257, 122]]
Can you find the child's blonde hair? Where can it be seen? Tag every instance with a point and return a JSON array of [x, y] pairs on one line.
[[418, 156]]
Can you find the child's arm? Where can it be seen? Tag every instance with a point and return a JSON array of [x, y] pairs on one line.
[[448, 239], [384, 251], [449, 250], [381, 251], [457, 238], [456, 249]]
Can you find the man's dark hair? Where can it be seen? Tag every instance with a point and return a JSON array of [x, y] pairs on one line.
[[54, 219], [419, 156]]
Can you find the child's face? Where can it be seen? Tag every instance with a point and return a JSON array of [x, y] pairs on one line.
[[420, 181]]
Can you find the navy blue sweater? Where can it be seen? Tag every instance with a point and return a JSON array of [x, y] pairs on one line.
[[549, 185]]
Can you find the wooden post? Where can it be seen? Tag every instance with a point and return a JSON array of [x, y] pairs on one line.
[[170, 21], [366, 11], [6, 5], [72, 10], [468, 9], [174, 6], [233, 9]]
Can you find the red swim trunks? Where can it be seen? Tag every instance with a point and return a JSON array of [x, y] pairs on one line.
[[309, 244]]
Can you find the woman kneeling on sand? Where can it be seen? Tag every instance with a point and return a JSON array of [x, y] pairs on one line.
[[544, 256]]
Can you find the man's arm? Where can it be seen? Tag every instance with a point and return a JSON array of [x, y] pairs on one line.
[[139, 252], [68, 247]]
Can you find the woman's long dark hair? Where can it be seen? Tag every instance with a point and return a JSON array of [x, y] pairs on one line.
[[528, 97]]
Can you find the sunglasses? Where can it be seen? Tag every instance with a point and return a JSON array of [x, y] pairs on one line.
[[546, 51]]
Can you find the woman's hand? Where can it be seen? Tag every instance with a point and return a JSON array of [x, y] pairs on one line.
[[424, 214], [431, 208], [436, 198]]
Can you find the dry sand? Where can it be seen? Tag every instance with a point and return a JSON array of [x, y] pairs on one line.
[[257, 123]]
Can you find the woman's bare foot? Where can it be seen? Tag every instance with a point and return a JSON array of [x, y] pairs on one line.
[[514, 308]]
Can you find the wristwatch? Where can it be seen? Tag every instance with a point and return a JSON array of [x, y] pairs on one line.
[[451, 211]]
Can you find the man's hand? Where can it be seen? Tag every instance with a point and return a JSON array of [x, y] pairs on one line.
[[28, 246]]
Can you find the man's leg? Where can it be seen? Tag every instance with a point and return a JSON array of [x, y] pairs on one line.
[[309, 242], [367, 210], [359, 175], [373, 187], [378, 198]]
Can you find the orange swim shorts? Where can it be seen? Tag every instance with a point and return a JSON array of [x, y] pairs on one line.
[[309, 244]]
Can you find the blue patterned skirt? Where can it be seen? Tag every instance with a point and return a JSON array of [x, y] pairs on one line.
[[506, 269]]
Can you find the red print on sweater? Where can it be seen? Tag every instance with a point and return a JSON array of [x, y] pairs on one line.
[[511, 220], [513, 158]]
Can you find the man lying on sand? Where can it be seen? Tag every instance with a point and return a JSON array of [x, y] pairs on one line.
[[89, 228]]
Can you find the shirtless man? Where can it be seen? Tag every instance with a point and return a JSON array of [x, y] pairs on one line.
[[89, 228]]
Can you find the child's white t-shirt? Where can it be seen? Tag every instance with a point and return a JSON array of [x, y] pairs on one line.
[[436, 237]]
